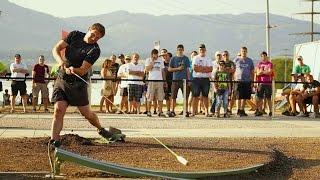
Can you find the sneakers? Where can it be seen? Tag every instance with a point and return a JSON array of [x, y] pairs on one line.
[[169, 114], [314, 115], [258, 113], [34, 110], [173, 114], [302, 114], [270, 114], [54, 143], [242, 113], [110, 136], [226, 115], [161, 114], [181, 113], [154, 112], [149, 114]]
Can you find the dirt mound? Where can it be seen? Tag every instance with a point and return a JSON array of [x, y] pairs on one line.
[[74, 140]]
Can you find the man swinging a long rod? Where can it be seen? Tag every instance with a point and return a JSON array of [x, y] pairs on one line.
[[81, 52]]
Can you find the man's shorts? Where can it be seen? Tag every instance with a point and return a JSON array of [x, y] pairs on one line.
[[167, 91], [135, 92], [155, 91], [308, 100], [200, 85], [124, 92], [74, 93], [244, 90], [37, 87], [175, 88], [18, 86], [264, 91]]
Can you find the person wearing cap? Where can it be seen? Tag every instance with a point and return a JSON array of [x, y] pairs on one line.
[[296, 90], [39, 73], [221, 89], [167, 91], [230, 68], [123, 74], [122, 58], [179, 66], [202, 69], [114, 70], [264, 76], [135, 72], [18, 70], [108, 89], [244, 74], [155, 67], [215, 66], [71, 87], [301, 68]]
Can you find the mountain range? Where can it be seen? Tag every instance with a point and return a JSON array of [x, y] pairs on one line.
[[31, 33]]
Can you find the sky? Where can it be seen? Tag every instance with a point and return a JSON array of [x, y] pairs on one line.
[[70, 8]]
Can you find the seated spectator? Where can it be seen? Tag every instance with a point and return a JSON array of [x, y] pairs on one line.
[[301, 68], [6, 98], [309, 95], [294, 93], [286, 92]]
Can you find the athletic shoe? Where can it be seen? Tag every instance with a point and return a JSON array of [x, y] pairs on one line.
[[169, 114], [149, 114], [301, 114], [258, 113], [314, 115], [110, 136], [161, 114], [270, 114], [181, 113], [34, 110], [173, 114], [54, 143], [154, 112], [226, 115]]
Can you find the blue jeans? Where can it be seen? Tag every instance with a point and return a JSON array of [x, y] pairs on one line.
[[222, 99]]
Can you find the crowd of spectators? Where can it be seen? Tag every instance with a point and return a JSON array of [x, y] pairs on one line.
[[212, 84]]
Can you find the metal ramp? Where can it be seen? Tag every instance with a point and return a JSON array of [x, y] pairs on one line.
[[63, 155]]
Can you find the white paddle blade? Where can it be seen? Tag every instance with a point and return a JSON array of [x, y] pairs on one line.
[[182, 160]]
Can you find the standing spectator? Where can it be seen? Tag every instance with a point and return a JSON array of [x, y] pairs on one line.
[[221, 89], [123, 74], [39, 73], [108, 90], [114, 67], [230, 68], [244, 74], [155, 66], [179, 65], [167, 91], [202, 68], [18, 70], [122, 59], [136, 71], [215, 67], [301, 68], [264, 90], [192, 55]]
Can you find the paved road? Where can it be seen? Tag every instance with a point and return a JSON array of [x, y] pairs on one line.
[[38, 125]]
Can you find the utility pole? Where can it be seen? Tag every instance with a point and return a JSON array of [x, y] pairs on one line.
[[312, 13], [286, 55], [268, 30]]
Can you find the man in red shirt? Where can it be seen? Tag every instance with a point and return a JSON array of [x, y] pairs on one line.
[[39, 73]]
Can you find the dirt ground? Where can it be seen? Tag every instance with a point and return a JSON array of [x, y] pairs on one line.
[[286, 158]]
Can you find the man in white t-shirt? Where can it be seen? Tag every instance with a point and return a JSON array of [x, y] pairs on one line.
[[18, 70], [136, 72], [202, 68], [155, 66], [123, 74]]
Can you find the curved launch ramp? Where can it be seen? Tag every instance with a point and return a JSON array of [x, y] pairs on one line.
[[63, 155]]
